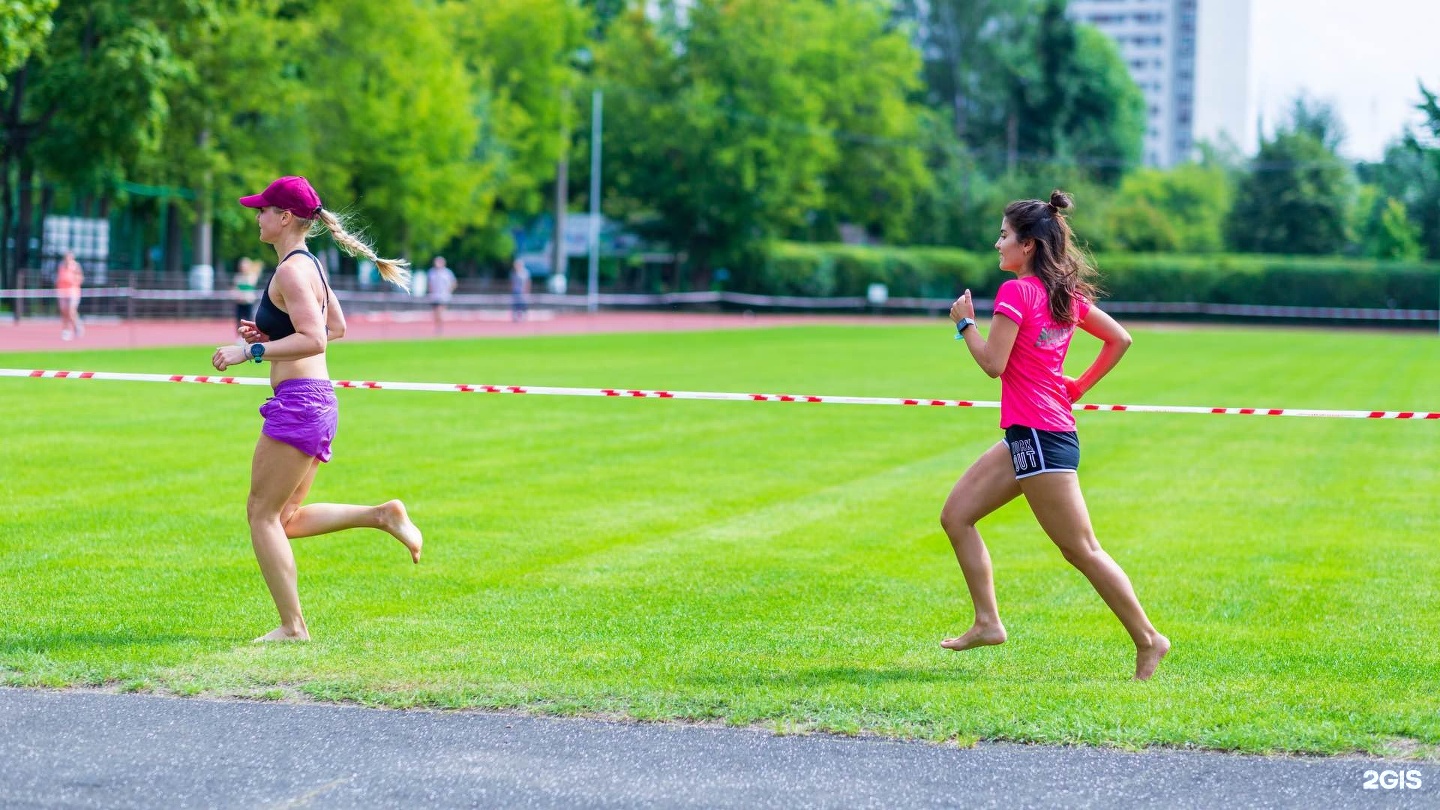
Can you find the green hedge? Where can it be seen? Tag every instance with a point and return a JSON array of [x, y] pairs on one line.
[[790, 268], [1270, 280]]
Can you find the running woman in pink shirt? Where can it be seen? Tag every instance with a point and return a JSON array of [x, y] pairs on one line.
[[1035, 316]]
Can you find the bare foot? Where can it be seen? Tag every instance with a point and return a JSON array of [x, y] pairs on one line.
[[976, 636], [283, 634], [395, 520], [1148, 658]]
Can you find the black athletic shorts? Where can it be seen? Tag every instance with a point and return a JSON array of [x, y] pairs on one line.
[[1040, 451]]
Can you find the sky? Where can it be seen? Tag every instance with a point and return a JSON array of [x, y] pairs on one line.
[[1365, 56]]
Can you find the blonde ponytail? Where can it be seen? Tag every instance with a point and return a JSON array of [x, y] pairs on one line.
[[395, 271]]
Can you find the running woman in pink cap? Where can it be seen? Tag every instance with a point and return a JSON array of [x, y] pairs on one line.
[[297, 315], [1035, 316]]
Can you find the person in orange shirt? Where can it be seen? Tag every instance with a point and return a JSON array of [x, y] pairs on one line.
[[68, 278]]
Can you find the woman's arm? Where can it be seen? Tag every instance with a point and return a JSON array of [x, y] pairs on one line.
[[1116, 340], [295, 292], [991, 355], [334, 318], [297, 297]]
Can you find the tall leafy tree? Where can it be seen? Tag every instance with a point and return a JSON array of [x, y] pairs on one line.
[[236, 119], [864, 74], [1073, 99], [963, 43], [1182, 209], [757, 118], [392, 120], [719, 138], [93, 97], [1318, 119], [523, 57], [1383, 229], [1106, 127], [24, 25], [1410, 173], [1294, 198]]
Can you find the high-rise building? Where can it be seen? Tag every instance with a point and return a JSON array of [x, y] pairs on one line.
[[1191, 61]]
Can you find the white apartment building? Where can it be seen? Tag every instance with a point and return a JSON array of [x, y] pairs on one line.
[[1191, 60]]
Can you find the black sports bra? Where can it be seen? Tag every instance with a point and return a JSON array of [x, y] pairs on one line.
[[269, 318]]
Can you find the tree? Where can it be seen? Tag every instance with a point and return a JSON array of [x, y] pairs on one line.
[[1382, 228], [24, 25], [950, 209], [1183, 209], [521, 55], [963, 42], [393, 123], [90, 99], [236, 119], [1410, 173], [1318, 119], [1072, 98], [1106, 128], [864, 75], [1294, 198], [717, 139], [1024, 82]]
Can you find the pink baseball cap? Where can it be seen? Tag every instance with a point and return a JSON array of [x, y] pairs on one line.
[[292, 193]]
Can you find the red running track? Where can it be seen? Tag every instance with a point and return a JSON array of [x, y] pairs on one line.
[[43, 334]]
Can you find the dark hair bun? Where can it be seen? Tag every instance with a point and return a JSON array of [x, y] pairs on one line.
[[1060, 200]]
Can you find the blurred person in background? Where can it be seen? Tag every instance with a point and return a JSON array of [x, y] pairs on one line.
[[247, 279], [68, 280], [519, 290], [440, 282]]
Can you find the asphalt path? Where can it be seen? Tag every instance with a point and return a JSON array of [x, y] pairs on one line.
[[91, 749]]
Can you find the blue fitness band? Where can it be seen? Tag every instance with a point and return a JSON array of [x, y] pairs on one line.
[[257, 351], [961, 325]]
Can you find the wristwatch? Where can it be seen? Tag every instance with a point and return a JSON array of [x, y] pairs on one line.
[[961, 325], [257, 351]]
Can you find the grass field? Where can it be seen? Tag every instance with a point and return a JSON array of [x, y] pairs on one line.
[[770, 564]]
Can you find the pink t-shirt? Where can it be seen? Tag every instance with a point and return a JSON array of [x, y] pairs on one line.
[[68, 277], [1032, 391]]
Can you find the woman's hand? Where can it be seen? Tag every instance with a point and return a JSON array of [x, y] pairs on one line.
[[1072, 389], [250, 334], [227, 356], [962, 308]]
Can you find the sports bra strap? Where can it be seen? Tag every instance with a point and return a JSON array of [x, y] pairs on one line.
[[318, 268]]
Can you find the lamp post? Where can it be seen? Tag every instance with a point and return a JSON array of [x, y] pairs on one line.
[[596, 105]]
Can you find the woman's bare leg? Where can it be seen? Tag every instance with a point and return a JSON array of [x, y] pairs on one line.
[[69, 320], [277, 472], [988, 485], [1058, 504], [323, 518]]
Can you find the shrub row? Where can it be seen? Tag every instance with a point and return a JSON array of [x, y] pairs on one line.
[[790, 268]]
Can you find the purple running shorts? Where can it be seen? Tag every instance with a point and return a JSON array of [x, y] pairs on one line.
[[303, 414]]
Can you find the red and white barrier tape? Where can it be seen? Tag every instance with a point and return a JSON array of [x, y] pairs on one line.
[[461, 388]]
